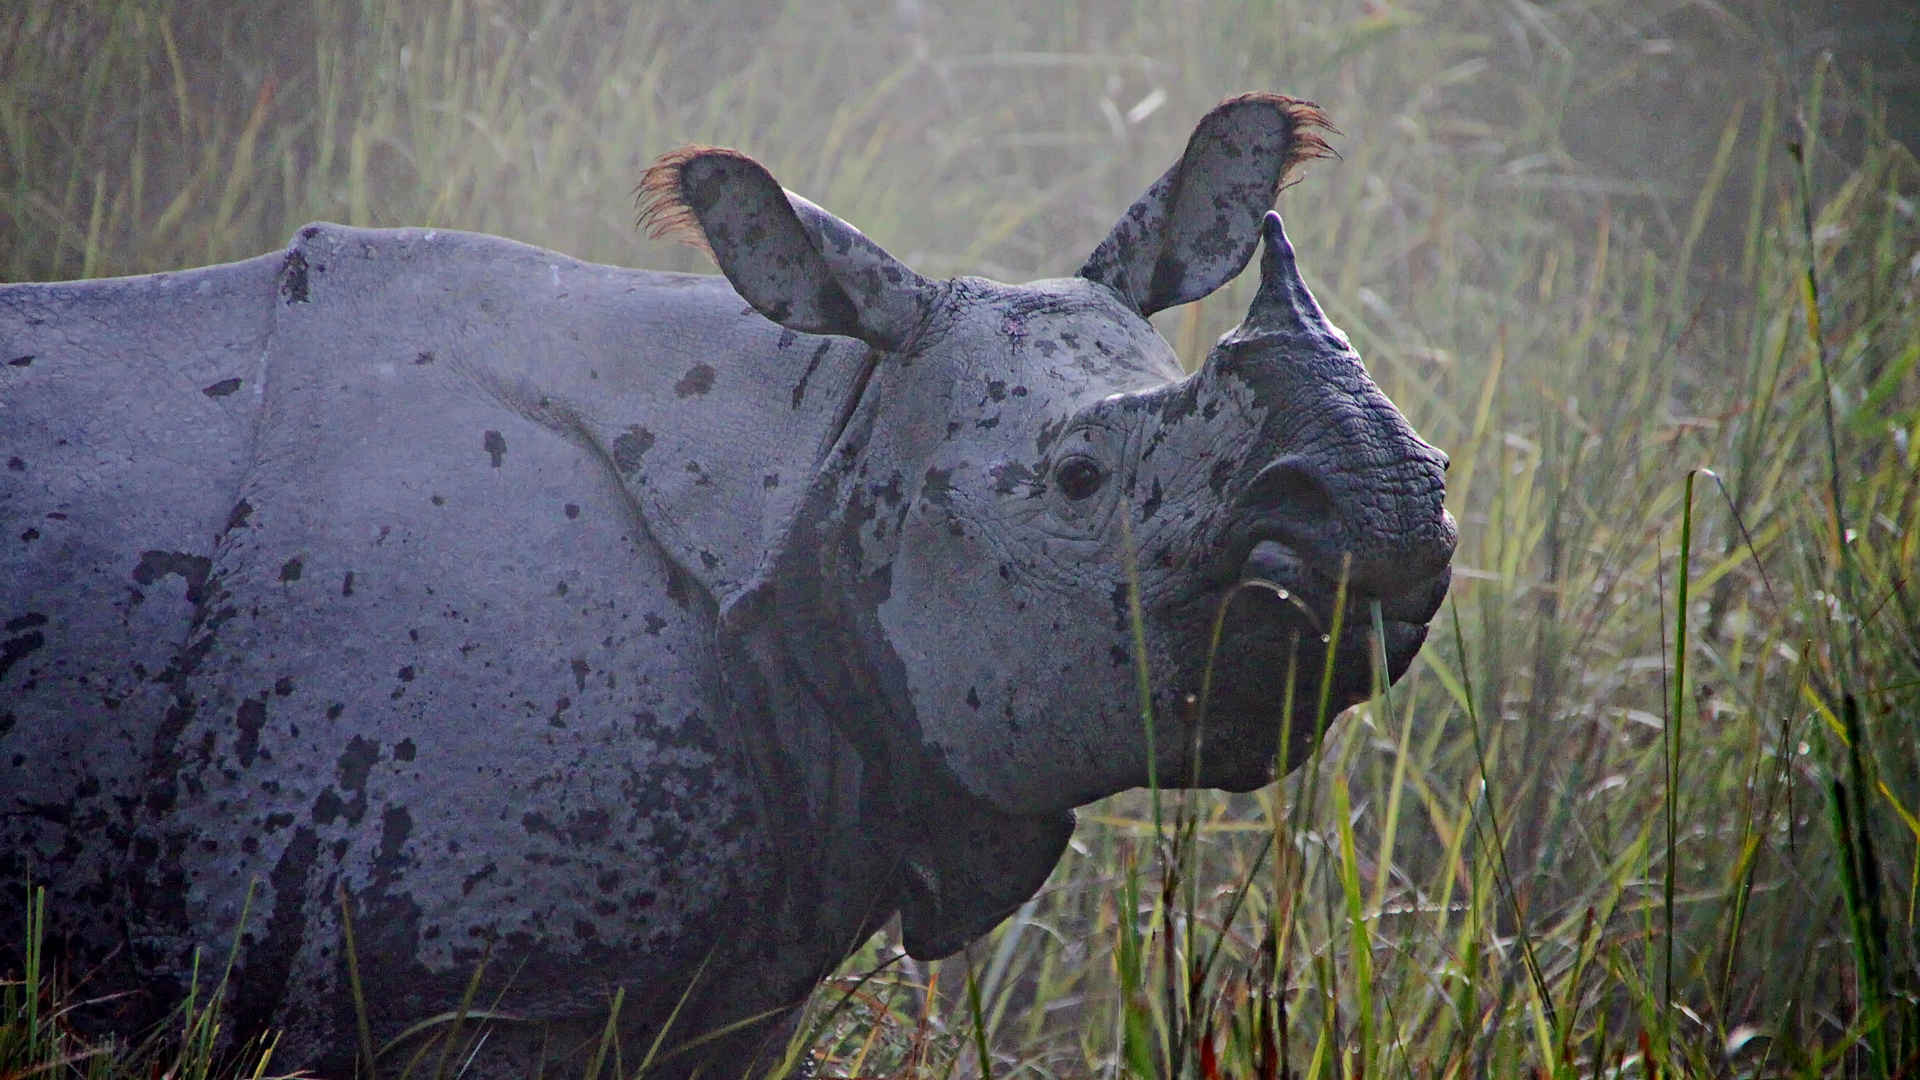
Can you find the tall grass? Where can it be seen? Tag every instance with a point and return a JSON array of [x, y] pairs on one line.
[[1649, 802]]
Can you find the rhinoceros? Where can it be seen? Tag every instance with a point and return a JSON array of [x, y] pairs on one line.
[[608, 630]]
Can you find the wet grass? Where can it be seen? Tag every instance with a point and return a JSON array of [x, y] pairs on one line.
[[1648, 804]]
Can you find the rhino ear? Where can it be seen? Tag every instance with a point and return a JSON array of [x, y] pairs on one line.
[[1198, 224], [795, 263]]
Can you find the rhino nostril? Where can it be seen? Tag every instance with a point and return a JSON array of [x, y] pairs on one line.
[[1289, 487]]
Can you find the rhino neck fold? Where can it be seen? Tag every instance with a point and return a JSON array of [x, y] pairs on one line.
[[819, 669], [958, 864]]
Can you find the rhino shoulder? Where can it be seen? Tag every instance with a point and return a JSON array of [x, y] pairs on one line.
[[711, 418]]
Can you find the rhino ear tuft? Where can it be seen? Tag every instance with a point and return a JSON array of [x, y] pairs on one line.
[[793, 262], [1199, 224], [660, 209]]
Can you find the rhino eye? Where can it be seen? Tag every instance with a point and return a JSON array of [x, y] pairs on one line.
[[1079, 477]]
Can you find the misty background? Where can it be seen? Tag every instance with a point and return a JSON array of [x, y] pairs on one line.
[[1572, 240], [991, 137]]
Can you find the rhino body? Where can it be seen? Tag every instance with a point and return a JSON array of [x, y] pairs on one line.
[[351, 585], [618, 629]]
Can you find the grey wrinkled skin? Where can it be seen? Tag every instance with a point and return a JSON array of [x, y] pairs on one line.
[[619, 629]]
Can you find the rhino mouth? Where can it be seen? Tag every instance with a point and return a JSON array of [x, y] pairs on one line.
[[1312, 595], [1280, 619]]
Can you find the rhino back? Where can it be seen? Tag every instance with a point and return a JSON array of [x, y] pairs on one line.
[[126, 410]]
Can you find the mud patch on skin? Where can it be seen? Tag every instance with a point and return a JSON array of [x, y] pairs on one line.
[[697, 381], [396, 824], [387, 934], [193, 569], [269, 964], [630, 448], [15, 649], [293, 277], [350, 775], [355, 763], [250, 719], [813, 364], [582, 828]]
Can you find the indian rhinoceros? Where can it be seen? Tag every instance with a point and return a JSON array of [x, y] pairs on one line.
[[657, 632]]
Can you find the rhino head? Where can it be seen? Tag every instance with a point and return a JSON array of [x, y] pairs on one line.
[[1026, 477]]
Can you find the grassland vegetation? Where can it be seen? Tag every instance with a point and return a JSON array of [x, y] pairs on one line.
[[1649, 802]]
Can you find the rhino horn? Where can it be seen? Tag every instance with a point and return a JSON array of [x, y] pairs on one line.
[[795, 263], [1284, 307]]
